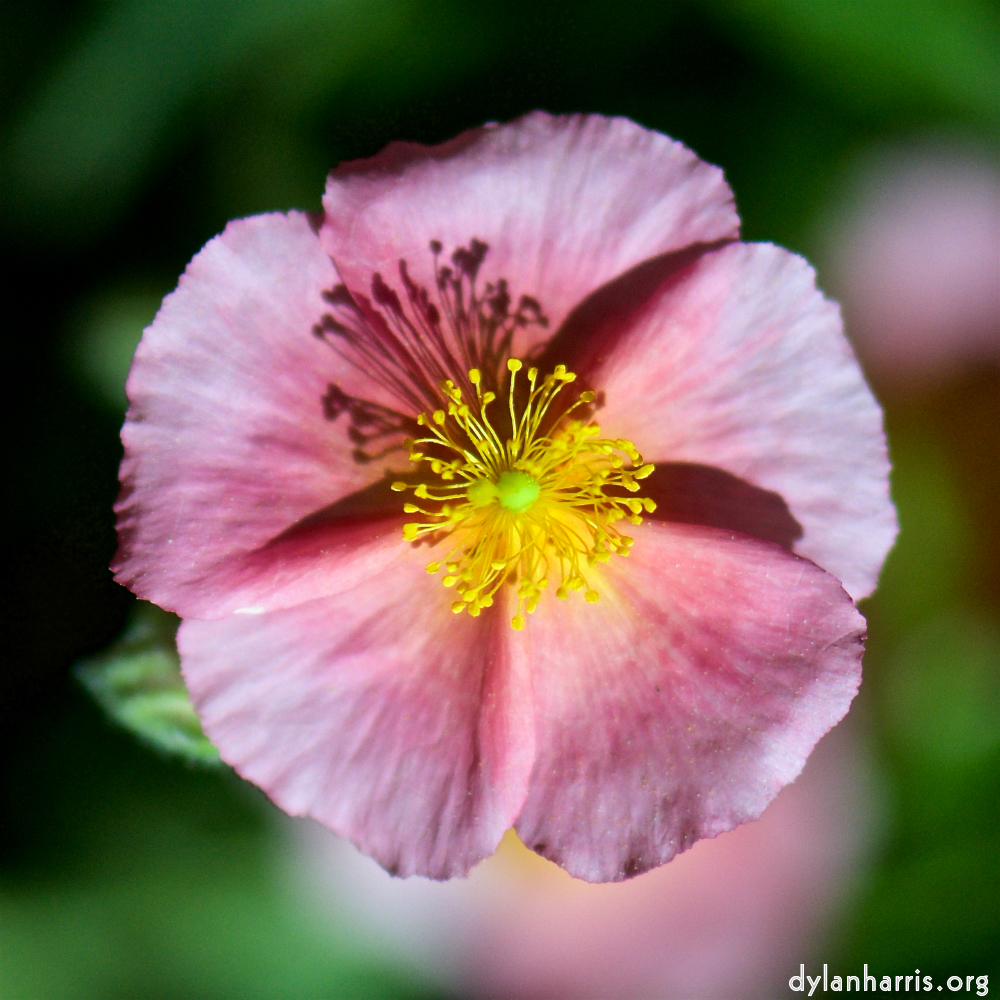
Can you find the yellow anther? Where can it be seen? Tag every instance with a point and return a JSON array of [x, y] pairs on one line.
[[650, 505], [591, 596], [545, 498], [458, 607], [398, 487], [517, 623]]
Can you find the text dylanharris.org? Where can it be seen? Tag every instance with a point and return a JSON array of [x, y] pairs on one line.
[[801, 983]]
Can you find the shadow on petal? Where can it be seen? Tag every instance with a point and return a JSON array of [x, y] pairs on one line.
[[599, 324], [373, 503], [688, 493], [329, 551]]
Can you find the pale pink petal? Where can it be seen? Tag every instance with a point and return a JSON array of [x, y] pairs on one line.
[[226, 441], [378, 712], [738, 362], [564, 203], [916, 260], [679, 704]]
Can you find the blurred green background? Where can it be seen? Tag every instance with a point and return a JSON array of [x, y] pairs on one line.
[[133, 130]]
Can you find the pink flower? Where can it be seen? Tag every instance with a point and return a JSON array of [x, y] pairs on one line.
[[287, 388], [915, 255]]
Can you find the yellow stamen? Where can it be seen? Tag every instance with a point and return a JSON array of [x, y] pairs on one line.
[[525, 506]]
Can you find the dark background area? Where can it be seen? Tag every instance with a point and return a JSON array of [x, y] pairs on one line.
[[132, 131]]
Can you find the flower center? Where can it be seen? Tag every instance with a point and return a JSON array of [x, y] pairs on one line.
[[528, 503], [517, 491]]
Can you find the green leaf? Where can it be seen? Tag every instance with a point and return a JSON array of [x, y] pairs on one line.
[[138, 682]]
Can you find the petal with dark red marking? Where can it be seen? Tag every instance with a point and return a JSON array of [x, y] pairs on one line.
[[227, 443], [564, 205]]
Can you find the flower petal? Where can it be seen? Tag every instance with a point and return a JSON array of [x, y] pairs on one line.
[[564, 203], [677, 706], [314, 558], [378, 712], [740, 363], [226, 441]]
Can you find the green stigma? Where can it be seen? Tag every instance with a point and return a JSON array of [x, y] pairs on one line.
[[517, 491]]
